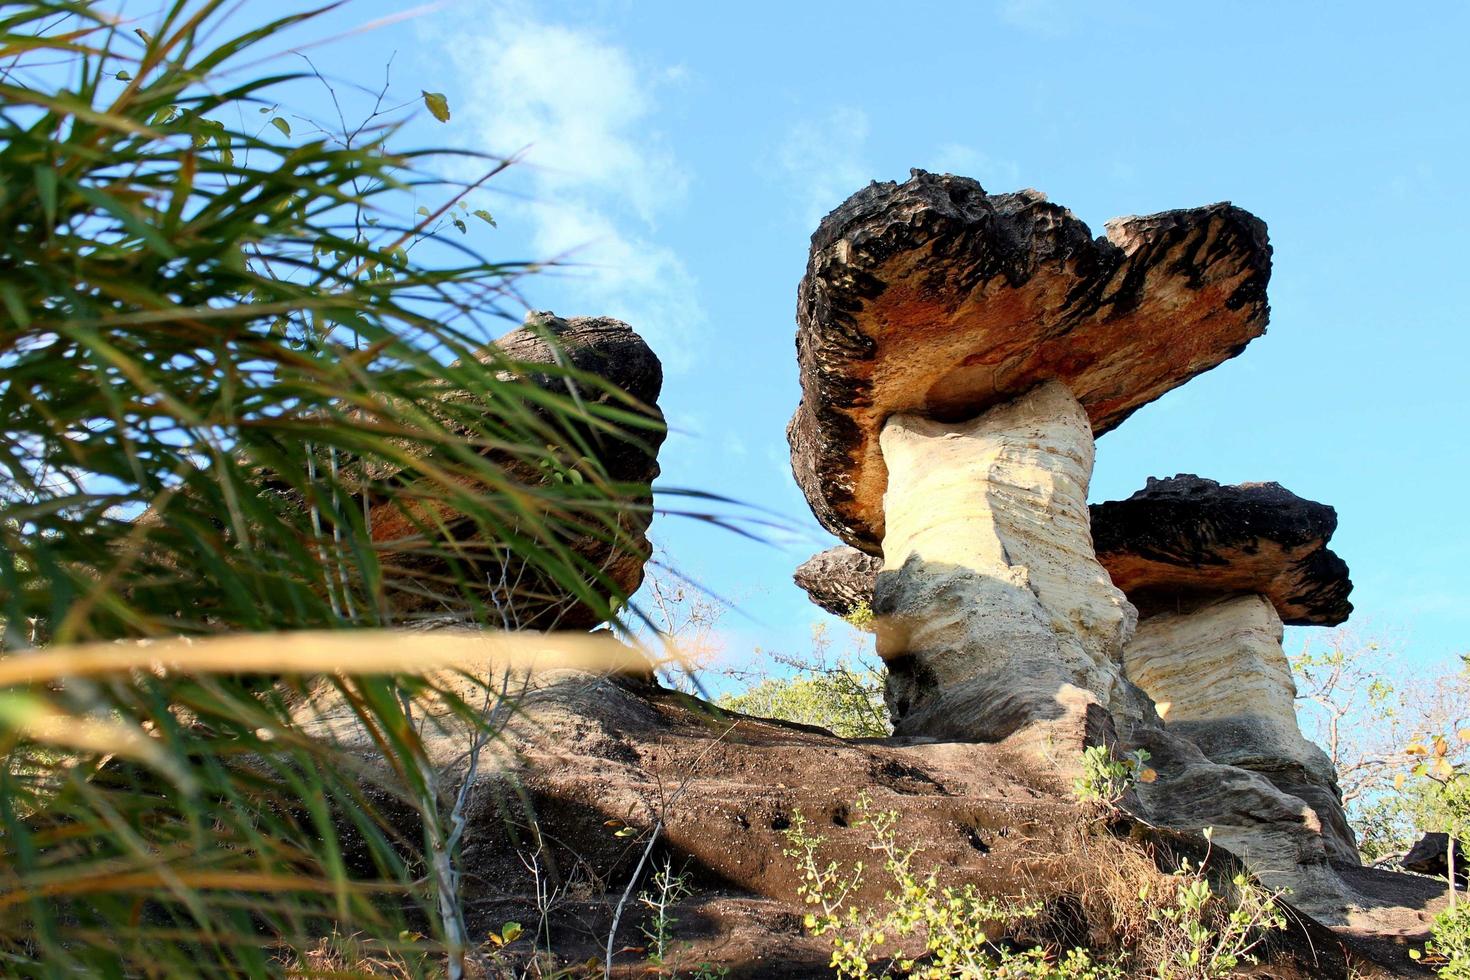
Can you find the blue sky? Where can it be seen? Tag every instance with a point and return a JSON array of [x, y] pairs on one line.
[[686, 152]]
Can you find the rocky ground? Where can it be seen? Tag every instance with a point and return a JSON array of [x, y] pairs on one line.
[[592, 766]]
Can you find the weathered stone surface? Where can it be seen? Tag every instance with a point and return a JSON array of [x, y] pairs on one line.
[[1430, 856], [840, 579], [1278, 835], [1183, 540], [424, 585], [933, 298], [1220, 670], [613, 351], [992, 614], [585, 749]]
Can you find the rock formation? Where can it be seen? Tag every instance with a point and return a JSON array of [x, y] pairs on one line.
[[995, 616], [613, 553], [1250, 803], [840, 579], [1214, 571], [1430, 855], [958, 353], [933, 298], [1185, 538], [566, 798], [1208, 566]]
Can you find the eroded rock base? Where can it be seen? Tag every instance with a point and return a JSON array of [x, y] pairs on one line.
[[994, 617], [1220, 669]]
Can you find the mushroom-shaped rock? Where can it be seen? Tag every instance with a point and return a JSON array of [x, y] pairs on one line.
[[840, 579], [959, 352], [1213, 571], [1185, 538], [424, 585], [933, 298]]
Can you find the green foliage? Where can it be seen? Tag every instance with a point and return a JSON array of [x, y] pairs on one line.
[[1364, 710], [842, 704], [217, 367], [842, 693], [1202, 935], [921, 929], [861, 617], [1106, 779], [1449, 949], [222, 357], [668, 890]]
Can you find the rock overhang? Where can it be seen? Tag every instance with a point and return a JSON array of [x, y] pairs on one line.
[[933, 297], [1184, 538]]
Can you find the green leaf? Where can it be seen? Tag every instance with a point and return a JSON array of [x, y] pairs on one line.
[[423, 211], [437, 104], [510, 931], [282, 125], [124, 76], [458, 223], [484, 216]]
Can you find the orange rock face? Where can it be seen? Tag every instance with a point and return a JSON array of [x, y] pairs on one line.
[[934, 298]]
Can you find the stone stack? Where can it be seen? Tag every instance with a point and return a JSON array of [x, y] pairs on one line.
[[959, 353]]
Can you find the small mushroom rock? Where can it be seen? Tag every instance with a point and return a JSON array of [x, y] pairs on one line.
[[1184, 538], [616, 551], [840, 579], [1214, 570]]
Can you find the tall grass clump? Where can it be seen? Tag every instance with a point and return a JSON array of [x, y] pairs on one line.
[[231, 347]]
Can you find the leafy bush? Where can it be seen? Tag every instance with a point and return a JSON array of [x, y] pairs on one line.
[[1201, 934], [921, 929], [1449, 948], [1106, 779], [222, 356], [841, 692]]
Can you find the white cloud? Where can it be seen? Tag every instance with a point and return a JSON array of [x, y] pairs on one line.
[[597, 172], [823, 160], [997, 176]]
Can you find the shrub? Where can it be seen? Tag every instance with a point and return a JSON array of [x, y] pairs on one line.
[[1106, 779], [1449, 947], [921, 929]]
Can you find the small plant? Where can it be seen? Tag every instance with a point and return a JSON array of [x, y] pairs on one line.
[[1202, 934], [1106, 779], [667, 891], [1449, 948], [921, 929]]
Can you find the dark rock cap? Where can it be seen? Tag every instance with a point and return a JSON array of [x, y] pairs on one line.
[[839, 579], [595, 345], [933, 297], [1185, 538]]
